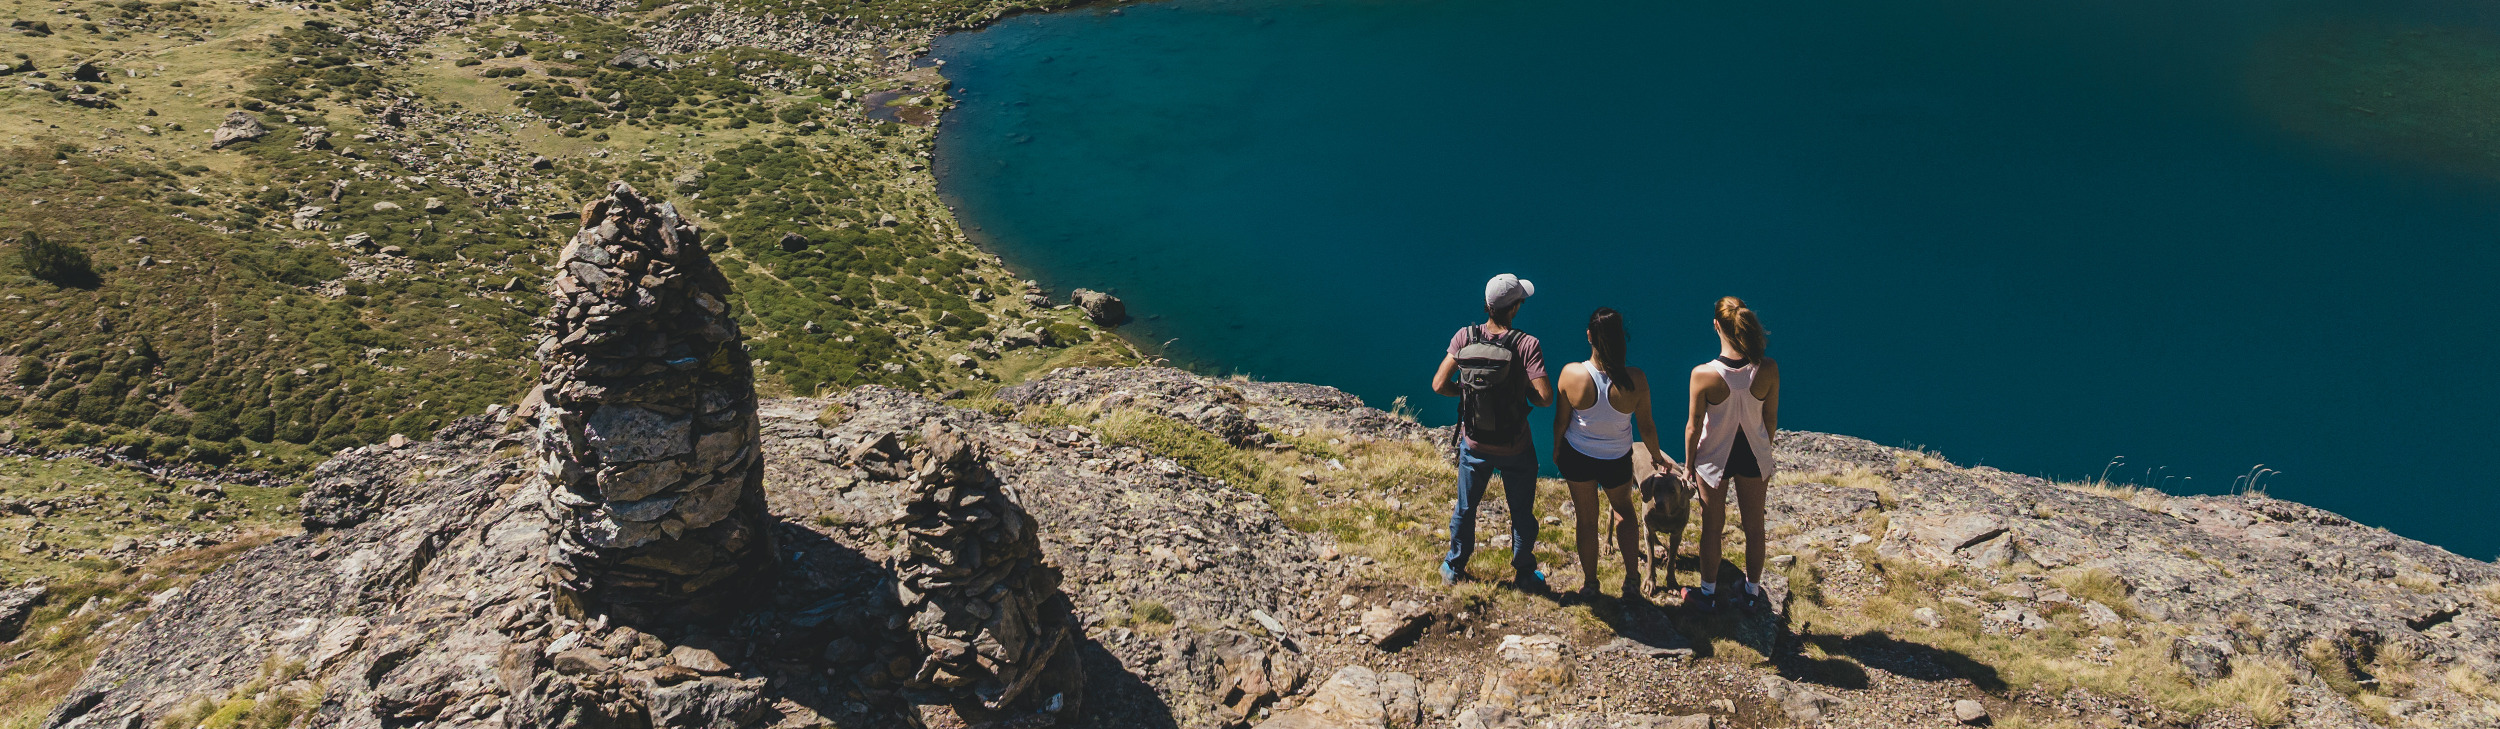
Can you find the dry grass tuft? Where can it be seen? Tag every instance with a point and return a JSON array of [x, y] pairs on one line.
[[2148, 499], [2096, 584], [2420, 583], [2470, 682], [1855, 477], [1149, 617], [833, 414], [2260, 686], [253, 705], [1911, 460]]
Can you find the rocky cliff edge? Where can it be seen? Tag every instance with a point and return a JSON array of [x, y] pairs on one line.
[[1914, 592]]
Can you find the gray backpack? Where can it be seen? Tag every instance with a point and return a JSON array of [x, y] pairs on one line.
[[1493, 387]]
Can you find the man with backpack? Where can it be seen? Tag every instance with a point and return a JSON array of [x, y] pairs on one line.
[[1498, 375]]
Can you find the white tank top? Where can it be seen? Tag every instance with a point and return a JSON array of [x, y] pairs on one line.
[[1740, 412], [1600, 432]]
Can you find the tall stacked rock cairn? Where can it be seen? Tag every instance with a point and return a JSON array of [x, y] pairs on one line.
[[647, 425], [993, 630]]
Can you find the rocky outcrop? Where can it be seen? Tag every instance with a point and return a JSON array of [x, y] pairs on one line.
[[15, 605], [414, 600], [239, 127], [646, 435]]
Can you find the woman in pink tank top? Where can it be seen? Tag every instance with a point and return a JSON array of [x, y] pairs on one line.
[[1733, 413]]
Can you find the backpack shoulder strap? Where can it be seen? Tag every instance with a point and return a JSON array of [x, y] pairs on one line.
[[1475, 334]]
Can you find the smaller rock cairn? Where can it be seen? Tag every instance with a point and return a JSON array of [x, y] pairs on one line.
[[647, 431], [987, 615]]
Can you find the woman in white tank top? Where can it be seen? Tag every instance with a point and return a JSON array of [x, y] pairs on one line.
[[1600, 401], [1733, 412]]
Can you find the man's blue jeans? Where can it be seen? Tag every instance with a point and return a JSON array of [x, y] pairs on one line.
[[1518, 487]]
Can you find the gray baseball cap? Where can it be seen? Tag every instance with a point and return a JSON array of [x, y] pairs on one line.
[[1507, 289]]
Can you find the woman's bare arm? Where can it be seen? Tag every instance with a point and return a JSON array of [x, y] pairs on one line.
[[1771, 401], [1696, 403], [1562, 405]]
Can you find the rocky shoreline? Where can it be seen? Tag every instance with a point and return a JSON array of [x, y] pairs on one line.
[[412, 598]]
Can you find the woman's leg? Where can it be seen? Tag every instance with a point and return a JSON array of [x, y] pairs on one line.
[[1749, 495], [1627, 536], [1584, 509], [1713, 521]]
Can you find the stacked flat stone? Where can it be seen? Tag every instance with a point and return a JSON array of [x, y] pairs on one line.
[[647, 428], [987, 614]]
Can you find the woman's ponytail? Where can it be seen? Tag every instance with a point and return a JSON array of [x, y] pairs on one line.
[[1742, 328], [1607, 337]]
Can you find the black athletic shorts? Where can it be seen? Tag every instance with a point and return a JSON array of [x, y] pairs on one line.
[[1577, 466], [1740, 459]]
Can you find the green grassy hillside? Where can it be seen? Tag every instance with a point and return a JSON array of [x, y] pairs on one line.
[[371, 264]]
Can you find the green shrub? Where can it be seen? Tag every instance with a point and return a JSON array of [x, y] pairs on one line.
[[61, 264]]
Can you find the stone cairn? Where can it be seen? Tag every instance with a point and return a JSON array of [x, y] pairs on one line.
[[987, 615], [646, 424]]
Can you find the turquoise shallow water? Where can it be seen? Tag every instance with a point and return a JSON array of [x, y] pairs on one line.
[[2029, 235]]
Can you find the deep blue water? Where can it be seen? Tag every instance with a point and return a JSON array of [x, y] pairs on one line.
[[2032, 235]]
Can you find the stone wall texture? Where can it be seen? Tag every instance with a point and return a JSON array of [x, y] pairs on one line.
[[985, 612], [646, 423]]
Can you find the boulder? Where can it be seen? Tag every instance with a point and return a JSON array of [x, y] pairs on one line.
[[634, 58], [793, 242], [1018, 338], [1970, 712], [239, 127], [2204, 656], [1801, 703], [1355, 698], [1530, 669], [697, 659], [1102, 308], [713, 702], [15, 606], [1391, 625], [1250, 671]]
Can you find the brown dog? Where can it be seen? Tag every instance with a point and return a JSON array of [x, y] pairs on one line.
[[1666, 506]]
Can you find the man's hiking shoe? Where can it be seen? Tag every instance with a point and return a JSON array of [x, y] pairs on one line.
[[1696, 600], [1451, 575], [1532, 583]]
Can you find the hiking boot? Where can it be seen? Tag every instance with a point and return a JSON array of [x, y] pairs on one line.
[[1698, 601], [1532, 582], [1451, 575]]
